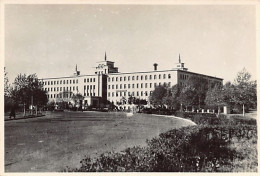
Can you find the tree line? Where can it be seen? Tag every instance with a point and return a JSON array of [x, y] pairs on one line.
[[198, 93]]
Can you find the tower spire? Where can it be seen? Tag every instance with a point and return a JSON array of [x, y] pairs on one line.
[[105, 56], [179, 58]]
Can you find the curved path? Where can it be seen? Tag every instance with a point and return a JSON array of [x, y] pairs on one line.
[[57, 140]]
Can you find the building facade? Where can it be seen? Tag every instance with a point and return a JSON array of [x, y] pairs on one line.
[[107, 84]]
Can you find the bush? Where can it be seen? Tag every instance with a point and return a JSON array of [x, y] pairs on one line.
[[188, 149]]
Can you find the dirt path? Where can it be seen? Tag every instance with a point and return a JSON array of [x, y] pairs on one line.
[[57, 140]]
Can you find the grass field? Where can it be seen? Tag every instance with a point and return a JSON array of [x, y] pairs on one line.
[[57, 140]]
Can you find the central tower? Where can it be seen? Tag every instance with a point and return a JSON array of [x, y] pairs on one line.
[[105, 67]]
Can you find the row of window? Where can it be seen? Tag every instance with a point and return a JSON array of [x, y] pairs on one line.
[[89, 87], [137, 77], [54, 89], [120, 94], [142, 85], [65, 95], [89, 80], [60, 82], [184, 77], [89, 94]]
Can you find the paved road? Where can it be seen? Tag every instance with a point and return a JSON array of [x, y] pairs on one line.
[[60, 139]]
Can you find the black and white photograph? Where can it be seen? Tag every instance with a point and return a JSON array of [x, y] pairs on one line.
[[118, 86]]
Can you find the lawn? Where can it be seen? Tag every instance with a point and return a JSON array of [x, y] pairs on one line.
[[60, 139]]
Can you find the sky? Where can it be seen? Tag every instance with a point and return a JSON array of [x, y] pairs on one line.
[[49, 40]]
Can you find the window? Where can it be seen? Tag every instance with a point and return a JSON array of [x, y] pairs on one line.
[[169, 84], [133, 86], [128, 78], [90, 79], [53, 95], [160, 76], [133, 93], [70, 81], [93, 86], [129, 86], [136, 77], [112, 94], [141, 85], [124, 86], [54, 89], [108, 79], [48, 89], [137, 93], [154, 77], [93, 79], [87, 80], [48, 82], [129, 93], [116, 78], [164, 76], [73, 81], [137, 85], [120, 86], [141, 93], [51, 82], [145, 85], [151, 77], [67, 81], [120, 78], [108, 94], [145, 77], [125, 78], [155, 85], [113, 79], [151, 85], [63, 81], [146, 94], [142, 77], [112, 86], [60, 82], [133, 78], [51, 89], [169, 76], [108, 86], [116, 86], [84, 80]]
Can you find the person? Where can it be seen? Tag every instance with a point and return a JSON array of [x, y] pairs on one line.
[[12, 113]]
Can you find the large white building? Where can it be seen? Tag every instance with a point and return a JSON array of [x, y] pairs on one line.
[[109, 84]]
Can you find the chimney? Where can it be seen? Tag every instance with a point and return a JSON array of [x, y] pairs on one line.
[[155, 66]]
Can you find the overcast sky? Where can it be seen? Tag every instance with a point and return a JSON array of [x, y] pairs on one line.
[[50, 40]]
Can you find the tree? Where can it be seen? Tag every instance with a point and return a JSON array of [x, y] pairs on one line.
[[200, 86], [28, 90], [77, 98], [6, 83], [215, 97], [245, 90], [171, 97], [188, 96], [157, 96]]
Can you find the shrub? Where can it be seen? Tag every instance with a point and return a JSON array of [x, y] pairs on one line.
[[188, 149]]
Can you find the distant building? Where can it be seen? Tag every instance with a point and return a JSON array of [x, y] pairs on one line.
[[109, 84]]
